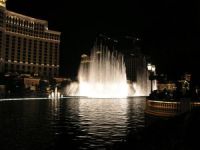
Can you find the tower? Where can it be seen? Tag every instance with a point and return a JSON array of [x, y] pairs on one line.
[[3, 3]]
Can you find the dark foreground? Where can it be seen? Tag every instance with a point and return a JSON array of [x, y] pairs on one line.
[[72, 123], [180, 133], [93, 124]]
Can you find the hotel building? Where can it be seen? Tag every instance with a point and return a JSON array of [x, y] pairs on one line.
[[136, 66], [27, 45], [137, 72]]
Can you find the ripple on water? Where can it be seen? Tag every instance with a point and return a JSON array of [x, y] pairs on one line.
[[83, 123]]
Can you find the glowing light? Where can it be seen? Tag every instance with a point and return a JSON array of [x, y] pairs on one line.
[[55, 94], [114, 112], [153, 68], [3, 3], [104, 76], [149, 67], [19, 99]]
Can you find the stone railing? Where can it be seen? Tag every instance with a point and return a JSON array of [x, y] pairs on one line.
[[194, 105], [167, 108]]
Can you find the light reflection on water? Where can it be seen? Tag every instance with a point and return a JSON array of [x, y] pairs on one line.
[[76, 123], [103, 119]]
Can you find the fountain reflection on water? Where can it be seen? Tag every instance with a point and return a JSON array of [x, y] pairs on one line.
[[77, 123]]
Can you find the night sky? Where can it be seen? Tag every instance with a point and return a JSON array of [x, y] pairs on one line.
[[169, 29]]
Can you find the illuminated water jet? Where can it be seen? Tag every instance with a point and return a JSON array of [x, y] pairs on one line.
[[55, 94], [103, 75]]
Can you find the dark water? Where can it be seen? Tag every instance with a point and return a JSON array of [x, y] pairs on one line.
[[68, 123]]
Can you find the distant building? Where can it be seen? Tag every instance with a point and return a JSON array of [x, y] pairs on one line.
[[136, 66], [135, 60], [169, 86], [137, 72], [187, 77], [31, 83], [27, 45], [182, 85]]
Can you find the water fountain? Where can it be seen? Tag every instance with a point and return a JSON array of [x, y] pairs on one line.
[[55, 94], [141, 83], [102, 75]]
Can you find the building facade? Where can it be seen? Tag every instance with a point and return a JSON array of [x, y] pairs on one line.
[[136, 66], [27, 45], [137, 72]]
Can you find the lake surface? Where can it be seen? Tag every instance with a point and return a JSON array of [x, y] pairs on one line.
[[72, 123]]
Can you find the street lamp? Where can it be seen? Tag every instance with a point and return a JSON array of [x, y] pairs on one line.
[[151, 68]]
